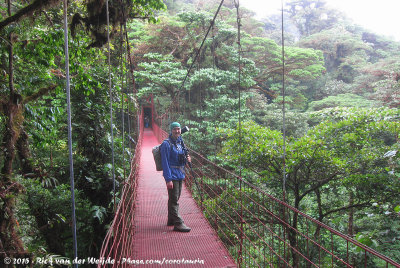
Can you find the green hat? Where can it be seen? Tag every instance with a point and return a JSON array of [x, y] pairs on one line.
[[174, 125]]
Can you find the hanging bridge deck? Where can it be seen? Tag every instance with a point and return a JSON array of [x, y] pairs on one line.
[[154, 240]]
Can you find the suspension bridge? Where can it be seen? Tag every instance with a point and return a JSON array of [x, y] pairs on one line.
[[234, 223]]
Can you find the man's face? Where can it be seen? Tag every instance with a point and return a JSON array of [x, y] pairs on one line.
[[176, 132]]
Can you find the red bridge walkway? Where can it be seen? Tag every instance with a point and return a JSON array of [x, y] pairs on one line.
[[154, 241]]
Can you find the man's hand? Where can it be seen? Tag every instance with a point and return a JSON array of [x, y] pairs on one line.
[[170, 185], [189, 159]]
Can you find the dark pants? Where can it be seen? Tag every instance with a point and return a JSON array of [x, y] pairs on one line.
[[173, 206]]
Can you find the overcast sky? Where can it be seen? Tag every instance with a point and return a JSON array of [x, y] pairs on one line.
[[381, 17]]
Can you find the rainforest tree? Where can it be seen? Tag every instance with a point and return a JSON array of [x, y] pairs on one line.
[[32, 71]]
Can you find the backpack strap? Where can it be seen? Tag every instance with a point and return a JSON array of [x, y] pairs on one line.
[[170, 143], [184, 147]]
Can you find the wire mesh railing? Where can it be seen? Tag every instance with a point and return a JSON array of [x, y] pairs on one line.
[[118, 242]]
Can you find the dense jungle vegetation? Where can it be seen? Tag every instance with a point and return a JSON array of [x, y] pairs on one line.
[[342, 97]]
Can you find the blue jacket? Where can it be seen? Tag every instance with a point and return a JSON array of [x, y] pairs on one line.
[[172, 168]]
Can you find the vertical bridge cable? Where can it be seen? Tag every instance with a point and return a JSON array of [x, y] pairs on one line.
[[239, 86], [128, 97], [240, 253], [283, 127], [213, 52], [129, 70], [129, 110], [283, 111], [122, 101], [71, 162], [111, 101]]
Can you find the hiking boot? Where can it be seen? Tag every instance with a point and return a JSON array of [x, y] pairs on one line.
[[181, 228], [170, 223]]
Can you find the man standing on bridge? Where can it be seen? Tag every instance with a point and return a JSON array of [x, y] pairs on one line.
[[173, 159]]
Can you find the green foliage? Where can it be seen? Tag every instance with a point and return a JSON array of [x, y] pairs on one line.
[[147, 9], [47, 214], [377, 231], [160, 75], [99, 213], [397, 209], [341, 100], [343, 154], [344, 52], [271, 116], [304, 64], [349, 151], [218, 115]]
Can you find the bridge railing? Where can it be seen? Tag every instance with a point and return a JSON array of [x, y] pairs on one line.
[[118, 243], [158, 131], [260, 230]]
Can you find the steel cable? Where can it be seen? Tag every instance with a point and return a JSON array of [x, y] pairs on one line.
[[71, 161], [111, 100], [122, 101], [283, 110]]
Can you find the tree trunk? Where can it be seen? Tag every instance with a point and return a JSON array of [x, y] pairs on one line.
[[350, 226], [9, 189], [24, 154], [350, 229], [292, 235]]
